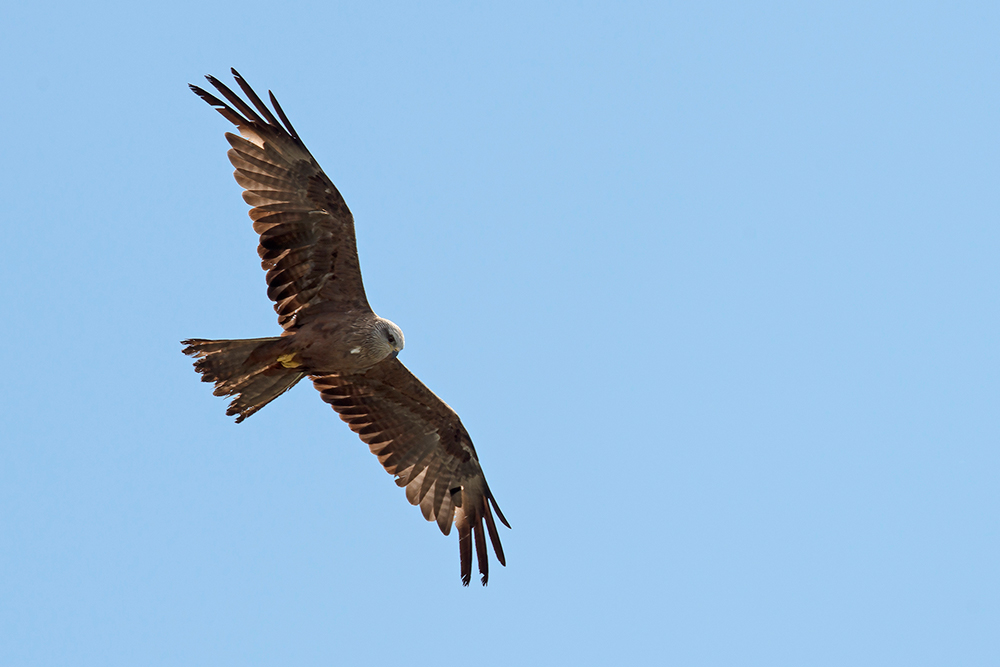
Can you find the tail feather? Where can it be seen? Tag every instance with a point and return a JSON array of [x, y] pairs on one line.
[[248, 368]]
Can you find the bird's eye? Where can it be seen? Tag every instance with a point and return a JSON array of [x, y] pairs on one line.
[[392, 339]]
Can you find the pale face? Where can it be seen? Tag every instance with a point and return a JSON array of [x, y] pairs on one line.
[[393, 336], [386, 340]]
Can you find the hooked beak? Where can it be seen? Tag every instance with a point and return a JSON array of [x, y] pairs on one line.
[[395, 353]]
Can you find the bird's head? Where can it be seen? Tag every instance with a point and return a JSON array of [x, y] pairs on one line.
[[388, 338]]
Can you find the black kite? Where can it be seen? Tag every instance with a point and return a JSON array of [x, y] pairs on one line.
[[308, 249]]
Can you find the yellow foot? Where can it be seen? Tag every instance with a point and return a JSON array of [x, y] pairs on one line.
[[289, 361]]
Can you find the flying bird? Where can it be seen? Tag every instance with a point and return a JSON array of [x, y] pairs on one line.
[[308, 249]]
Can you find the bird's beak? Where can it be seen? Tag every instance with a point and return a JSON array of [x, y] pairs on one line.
[[395, 353]]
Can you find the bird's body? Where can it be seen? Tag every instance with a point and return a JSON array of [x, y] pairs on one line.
[[348, 345], [307, 246]]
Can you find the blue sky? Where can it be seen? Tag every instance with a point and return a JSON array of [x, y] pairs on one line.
[[712, 285]]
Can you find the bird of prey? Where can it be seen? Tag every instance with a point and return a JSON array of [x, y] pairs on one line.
[[308, 249]]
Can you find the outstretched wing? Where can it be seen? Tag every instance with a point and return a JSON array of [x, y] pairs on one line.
[[421, 441], [307, 243]]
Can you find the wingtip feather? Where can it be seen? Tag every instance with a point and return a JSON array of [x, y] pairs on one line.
[[282, 116], [465, 552], [491, 527], [482, 556], [496, 507]]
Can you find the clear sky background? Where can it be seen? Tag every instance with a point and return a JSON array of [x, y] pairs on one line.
[[714, 287]]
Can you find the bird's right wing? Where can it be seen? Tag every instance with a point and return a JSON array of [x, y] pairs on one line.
[[307, 244]]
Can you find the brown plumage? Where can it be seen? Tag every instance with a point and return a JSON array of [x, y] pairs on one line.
[[308, 249]]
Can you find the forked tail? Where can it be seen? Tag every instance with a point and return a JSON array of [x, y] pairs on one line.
[[248, 368]]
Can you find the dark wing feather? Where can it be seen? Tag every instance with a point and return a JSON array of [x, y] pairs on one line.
[[307, 244], [421, 441]]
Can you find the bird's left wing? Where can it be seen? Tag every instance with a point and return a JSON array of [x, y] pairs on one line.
[[420, 440]]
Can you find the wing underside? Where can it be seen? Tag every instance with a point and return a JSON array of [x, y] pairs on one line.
[[307, 243], [421, 441]]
